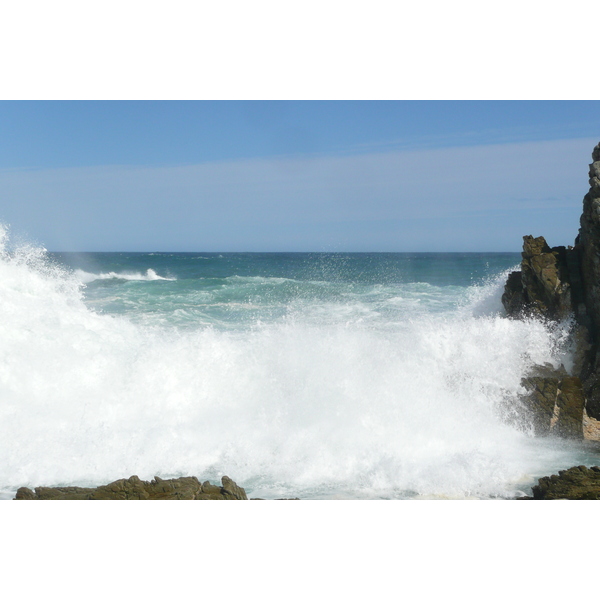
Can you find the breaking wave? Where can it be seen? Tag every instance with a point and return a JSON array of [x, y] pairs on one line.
[[149, 275], [303, 405]]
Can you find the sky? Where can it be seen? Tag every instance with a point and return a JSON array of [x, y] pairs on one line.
[[256, 176]]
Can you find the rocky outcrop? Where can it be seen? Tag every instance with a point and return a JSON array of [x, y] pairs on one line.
[[556, 402], [183, 488], [588, 244], [557, 284], [513, 298], [543, 286], [577, 483]]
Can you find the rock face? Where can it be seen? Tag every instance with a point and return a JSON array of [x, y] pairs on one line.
[[556, 402], [577, 483], [588, 243], [543, 286], [557, 284], [183, 488], [588, 247]]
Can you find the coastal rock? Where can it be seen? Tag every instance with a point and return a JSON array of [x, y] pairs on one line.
[[564, 284], [588, 242], [587, 245], [513, 298], [542, 287], [183, 488], [555, 402], [576, 483]]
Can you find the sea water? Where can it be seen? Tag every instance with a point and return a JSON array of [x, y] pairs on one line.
[[310, 375]]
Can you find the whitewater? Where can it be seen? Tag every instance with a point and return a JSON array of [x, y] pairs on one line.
[[318, 376]]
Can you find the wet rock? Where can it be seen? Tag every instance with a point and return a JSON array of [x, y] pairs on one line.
[[555, 402], [513, 298], [542, 287], [564, 284], [576, 483], [545, 278], [183, 488], [591, 428], [231, 489], [540, 401], [568, 415]]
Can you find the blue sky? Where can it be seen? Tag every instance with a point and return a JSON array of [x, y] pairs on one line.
[[295, 176]]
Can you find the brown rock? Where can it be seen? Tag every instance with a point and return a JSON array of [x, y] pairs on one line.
[[183, 488], [542, 287], [591, 428], [556, 284], [554, 403], [570, 403], [577, 483]]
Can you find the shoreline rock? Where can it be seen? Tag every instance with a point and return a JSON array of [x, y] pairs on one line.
[[183, 488], [576, 483], [561, 284], [543, 286]]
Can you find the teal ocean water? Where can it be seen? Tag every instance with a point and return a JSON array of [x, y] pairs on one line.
[[239, 290], [311, 375]]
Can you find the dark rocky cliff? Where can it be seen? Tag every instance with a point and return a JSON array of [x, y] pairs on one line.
[[587, 246], [558, 284]]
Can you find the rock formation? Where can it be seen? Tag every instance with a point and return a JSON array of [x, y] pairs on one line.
[[577, 483], [588, 246], [183, 488], [556, 402], [557, 284], [543, 286]]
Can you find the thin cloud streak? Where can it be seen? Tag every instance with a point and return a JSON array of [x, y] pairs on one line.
[[441, 199]]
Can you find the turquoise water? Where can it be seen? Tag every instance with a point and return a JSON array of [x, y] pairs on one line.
[[232, 290], [308, 375]]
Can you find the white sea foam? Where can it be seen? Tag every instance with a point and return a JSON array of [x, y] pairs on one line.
[[149, 275], [294, 406]]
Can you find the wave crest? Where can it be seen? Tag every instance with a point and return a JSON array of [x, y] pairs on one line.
[[149, 275]]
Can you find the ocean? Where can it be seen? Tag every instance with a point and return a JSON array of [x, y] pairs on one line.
[[309, 375]]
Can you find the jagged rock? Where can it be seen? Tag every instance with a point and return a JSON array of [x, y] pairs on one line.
[[231, 489], [513, 298], [542, 287], [592, 394], [556, 283], [588, 242], [583, 352], [540, 401], [559, 283], [545, 278], [555, 402], [588, 246], [591, 428], [570, 402], [576, 483], [183, 488]]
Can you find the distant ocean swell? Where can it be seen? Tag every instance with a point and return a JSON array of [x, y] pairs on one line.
[[316, 386]]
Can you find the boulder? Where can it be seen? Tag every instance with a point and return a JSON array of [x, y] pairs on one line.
[[183, 488], [576, 483]]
